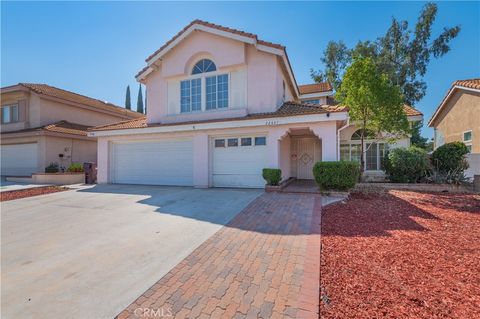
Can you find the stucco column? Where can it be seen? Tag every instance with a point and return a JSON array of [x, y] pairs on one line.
[[327, 132], [103, 149], [200, 163], [273, 146]]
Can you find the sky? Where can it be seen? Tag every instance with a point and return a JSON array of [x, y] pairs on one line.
[[96, 48]]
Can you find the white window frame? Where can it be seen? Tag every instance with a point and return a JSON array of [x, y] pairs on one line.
[[10, 108], [203, 77], [468, 143], [364, 155]]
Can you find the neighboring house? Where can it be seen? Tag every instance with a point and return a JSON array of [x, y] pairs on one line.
[[223, 105], [41, 124], [457, 118]]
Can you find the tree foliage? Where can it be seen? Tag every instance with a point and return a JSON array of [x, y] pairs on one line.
[[416, 138], [374, 103], [128, 100], [140, 100], [402, 54]]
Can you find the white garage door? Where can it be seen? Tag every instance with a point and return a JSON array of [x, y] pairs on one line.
[[166, 162], [238, 161], [19, 159]]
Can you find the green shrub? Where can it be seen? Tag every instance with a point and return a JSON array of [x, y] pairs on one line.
[[450, 157], [52, 168], [341, 175], [75, 167], [273, 176], [406, 165]]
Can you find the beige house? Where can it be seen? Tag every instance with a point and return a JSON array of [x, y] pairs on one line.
[[457, 118], [41, 124]]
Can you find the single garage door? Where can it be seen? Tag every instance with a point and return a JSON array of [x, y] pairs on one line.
[[238, 161], [19, 159], [165, 162]]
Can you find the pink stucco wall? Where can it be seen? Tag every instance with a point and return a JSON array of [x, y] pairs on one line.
[[253, 73], [278, 147]]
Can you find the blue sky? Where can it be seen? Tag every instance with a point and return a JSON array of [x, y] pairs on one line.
[[96, 48]]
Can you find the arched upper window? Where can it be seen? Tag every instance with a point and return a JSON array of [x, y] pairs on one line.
[[367, 135], [204, 65]]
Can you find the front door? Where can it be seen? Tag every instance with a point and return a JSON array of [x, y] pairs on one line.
[[308, 153]]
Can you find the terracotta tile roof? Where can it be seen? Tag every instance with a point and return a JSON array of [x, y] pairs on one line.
[[469, 84], [315, 88], [218, 27], [51, 91], [63, 127], [410, 111], [287, 109]]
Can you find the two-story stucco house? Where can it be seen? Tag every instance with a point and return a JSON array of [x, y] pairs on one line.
[[457, 118], [223, 105], [41, 124]]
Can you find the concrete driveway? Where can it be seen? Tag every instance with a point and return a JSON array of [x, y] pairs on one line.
[[89, 253]]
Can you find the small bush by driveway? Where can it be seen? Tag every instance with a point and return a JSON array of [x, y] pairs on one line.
[[401, 255]]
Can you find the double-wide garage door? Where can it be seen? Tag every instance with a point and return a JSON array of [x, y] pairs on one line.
[[19, 159], [166, 162]]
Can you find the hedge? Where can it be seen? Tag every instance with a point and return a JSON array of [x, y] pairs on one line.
[[273, 176], [341, 175], [406, 165], [450, 157]]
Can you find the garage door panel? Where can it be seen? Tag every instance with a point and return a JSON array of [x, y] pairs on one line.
[[239, 166], [19, 159], [167, 162]]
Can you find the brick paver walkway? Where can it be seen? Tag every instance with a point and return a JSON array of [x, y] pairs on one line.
[[265, 263]]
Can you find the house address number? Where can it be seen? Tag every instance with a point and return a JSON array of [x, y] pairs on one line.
[[271, 122]]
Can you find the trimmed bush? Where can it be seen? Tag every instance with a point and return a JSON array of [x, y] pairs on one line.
[[341, 175], [52, 168], [75, 167], [450, 157], [406, 165], [273, 176]]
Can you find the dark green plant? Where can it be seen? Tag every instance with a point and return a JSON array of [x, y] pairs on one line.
[[450, 157], [341, 175], [402, 53], [128, 100], [416, 138], [140, 100], [52, 168], [75, 167], [406, 165], [272, 176]]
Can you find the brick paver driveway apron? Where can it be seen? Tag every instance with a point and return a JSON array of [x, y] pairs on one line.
[[264, 263]]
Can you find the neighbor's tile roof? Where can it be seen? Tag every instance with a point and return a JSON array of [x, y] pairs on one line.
[[287, 109], [469, 84], [315, 88], [52, 91], [63, 127], [218, 27], [410, 111]]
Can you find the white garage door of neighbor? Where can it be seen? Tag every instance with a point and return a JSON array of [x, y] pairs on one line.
[[19, 159], [166, 162], [238, 161]]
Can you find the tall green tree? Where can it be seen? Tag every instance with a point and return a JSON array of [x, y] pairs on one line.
[[128, 100], [140, 100], [416, 138], [401, 54], [374, 103]]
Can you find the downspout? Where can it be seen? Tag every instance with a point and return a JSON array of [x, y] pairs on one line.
[[338, 137]]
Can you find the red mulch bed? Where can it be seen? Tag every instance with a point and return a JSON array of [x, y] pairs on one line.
[[29, 192], [401, 254]]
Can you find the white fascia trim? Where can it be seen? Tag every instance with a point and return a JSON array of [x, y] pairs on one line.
[[274, 121], [447, 98], [415, 118], [314, 95]]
